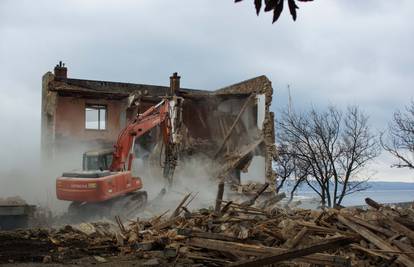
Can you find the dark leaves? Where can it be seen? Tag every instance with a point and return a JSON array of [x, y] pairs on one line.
[[258, 6], [269, 5], [277, 7], [292, 8], [278, 10]]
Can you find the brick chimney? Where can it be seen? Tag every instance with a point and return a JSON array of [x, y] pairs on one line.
[[174, 83], [61, 71]]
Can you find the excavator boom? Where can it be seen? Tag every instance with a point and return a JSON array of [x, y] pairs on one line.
[[156, 115]]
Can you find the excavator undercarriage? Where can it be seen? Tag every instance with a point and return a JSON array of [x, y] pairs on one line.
[[124, 206]]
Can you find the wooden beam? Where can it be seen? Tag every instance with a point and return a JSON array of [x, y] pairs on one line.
[[320, 229], [120, 224], [165, 224], [245, 105], [251, 201], [370, 251], [216, 236], [399, 228], [254, 250], [292, 243], [177, 210], [219, 198], [375, 228], [406, 222], [405, 248], [376, 240], [373, 203], [296, 253]]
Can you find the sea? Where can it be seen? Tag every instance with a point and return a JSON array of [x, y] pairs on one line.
[[381, 192]]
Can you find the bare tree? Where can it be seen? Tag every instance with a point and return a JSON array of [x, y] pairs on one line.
[[285, 165], [400, 141], [276, 6], [329, 149], [287, 170]]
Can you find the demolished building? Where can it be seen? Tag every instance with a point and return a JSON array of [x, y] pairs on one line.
[[232, 125]]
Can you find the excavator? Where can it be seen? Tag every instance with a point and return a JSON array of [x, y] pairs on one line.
[[106, 185]]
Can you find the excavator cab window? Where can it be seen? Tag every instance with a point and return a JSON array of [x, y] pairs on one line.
[[97, 162]]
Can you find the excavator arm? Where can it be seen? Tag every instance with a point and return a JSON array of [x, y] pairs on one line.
[[158, 115]]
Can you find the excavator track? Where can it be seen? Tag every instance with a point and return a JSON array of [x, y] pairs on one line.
[[124, 206]]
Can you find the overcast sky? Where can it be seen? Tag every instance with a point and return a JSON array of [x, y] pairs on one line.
[[338, 52]]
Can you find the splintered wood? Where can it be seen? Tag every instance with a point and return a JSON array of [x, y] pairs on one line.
[[233, 234]]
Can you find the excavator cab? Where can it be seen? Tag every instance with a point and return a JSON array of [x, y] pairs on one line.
[[97, 159]]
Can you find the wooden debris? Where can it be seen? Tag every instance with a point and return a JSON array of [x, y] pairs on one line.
[[256, 196], [177, 210], [399, 228], [227, 136], [253, 250], [292, 243], [373, 203], [296, 253], [231, 233], [120, 224], [215, 236], [377, 241], [219, 197]]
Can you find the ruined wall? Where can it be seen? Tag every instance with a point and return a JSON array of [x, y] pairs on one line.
[[70, 119], [48, 117], [208, 120], [63, 122], [260, 85], [240, 112]]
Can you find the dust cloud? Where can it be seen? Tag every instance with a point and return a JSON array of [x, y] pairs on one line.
[[20, 158], [194, 175], [25, 174]]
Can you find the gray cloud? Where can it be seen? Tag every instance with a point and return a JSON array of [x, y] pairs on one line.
[[337, 52]]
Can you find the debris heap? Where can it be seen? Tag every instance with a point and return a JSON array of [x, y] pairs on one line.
[[231, 234]]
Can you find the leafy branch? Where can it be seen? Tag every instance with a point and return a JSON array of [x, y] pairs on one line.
[[276, 6]]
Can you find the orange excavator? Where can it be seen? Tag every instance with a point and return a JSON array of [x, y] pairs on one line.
[[106, 186]]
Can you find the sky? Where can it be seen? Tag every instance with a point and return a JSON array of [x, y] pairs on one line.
[[338, 52]]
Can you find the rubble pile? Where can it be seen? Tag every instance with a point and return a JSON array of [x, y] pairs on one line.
[[12, 201], [231, 234]]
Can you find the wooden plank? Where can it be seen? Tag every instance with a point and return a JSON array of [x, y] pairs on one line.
[[407, 249], [321, 229], [373, 203], [219, 197], [370, 251], [377, 241], [295, 253], [399, 228], [206, 259], [216, 236], [406, 222], [274, 233], [225, 208], [292, 243], [120, 224], [254, 250], [165, 224], [375, 228], [177, 210], [241, 155], [251, 201]]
